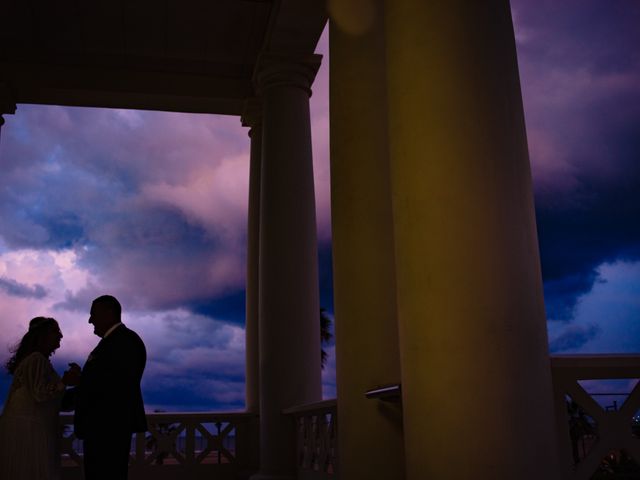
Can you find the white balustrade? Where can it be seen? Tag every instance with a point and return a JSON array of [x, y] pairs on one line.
[[317, 440], [196, 446], [180, 445]]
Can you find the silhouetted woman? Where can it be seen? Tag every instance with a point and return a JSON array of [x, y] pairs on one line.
[[29, 425]]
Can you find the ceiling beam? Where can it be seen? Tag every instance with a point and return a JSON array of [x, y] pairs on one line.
[[121, 88]]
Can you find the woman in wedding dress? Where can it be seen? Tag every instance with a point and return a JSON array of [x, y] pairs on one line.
[[29, 425]]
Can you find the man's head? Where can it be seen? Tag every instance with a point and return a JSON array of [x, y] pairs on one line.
[[105, 313]]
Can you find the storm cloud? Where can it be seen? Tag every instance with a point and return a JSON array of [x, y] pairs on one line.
[[21, 290], [580, 75]]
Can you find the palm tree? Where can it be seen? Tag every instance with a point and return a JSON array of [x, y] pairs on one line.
[[325, 334]]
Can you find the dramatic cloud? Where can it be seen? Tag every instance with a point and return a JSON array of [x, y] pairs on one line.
[[607, 319], [580, 75], [20, 290], [319, 106], [573, 337], [329, 373], [127, 192], [188, 353]]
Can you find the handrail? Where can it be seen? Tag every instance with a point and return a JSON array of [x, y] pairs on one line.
[[311, 407], [597, 366], [386, 393], [203, 416]]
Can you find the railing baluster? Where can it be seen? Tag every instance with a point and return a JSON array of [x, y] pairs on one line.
[[190, 443], [240, 430], [140, 449], [316, 440], [219, 442]]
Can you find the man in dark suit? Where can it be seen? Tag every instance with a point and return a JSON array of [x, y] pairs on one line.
[[108, 399]]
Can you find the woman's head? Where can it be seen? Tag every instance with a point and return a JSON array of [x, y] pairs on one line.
[[43, 336]]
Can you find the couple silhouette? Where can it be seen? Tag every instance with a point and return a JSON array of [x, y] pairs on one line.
[[105, 395]]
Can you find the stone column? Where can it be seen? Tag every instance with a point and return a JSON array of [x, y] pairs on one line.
[[367, 354], [252, 117], [289, 304], [476, 381]]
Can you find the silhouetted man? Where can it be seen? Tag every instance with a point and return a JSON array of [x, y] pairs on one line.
[[109, 407]]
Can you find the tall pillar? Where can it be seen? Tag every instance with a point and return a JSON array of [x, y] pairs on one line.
[[252, 118], [289, 304], [476, 380], [367, 355]]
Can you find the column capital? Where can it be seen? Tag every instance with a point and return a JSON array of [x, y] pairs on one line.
[[252, 113], [293, 70]]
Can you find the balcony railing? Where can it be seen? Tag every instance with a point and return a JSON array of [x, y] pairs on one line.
[[317, 440], [181, 445], [597, 441]]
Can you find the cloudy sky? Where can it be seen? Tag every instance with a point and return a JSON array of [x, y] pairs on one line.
[[151, 207]]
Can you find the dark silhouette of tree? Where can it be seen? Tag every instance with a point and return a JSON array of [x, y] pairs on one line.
[[325, 334], [580, 427]]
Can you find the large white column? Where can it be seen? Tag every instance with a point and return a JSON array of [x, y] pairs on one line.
[[252, 118], [288, 267], [476, 377], [367, 355]]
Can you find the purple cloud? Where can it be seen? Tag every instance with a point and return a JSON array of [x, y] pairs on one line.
[[18, 289], [573, 338], [581, 89]]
